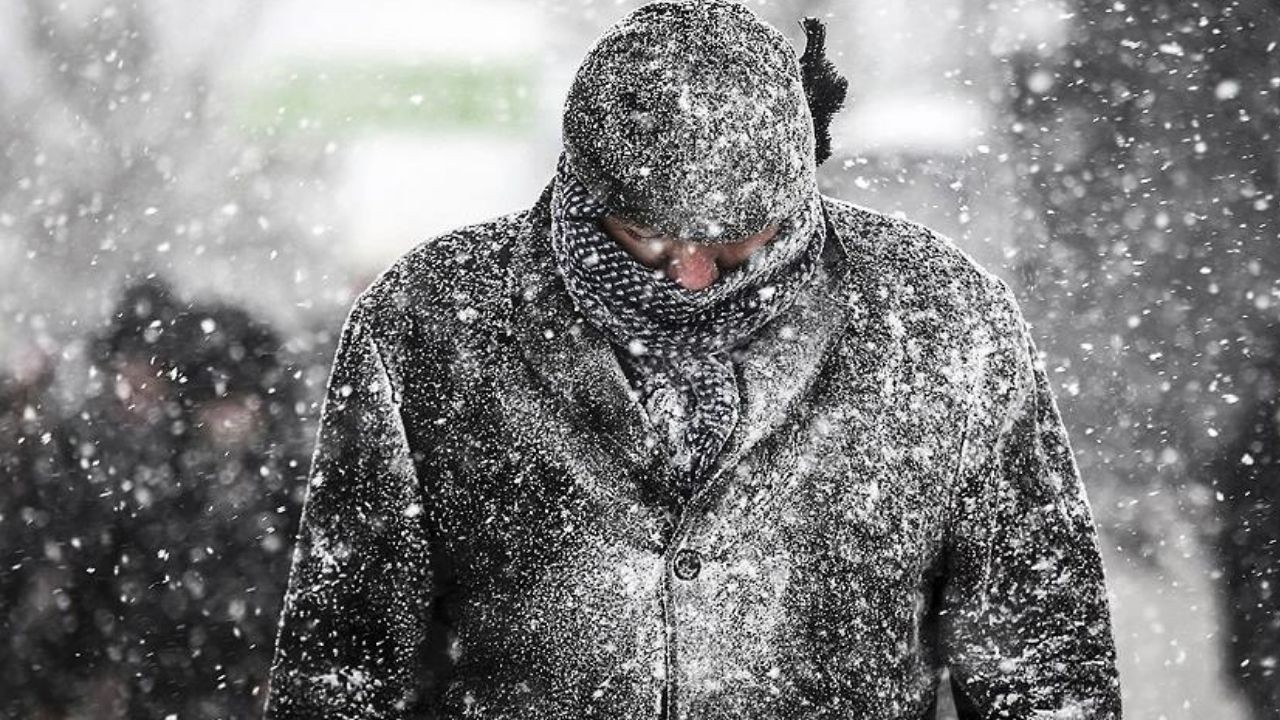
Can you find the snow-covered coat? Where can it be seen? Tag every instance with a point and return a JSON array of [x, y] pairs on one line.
[[489, 531]]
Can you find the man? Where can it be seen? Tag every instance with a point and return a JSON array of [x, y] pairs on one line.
[[688, 439], [199, 541], [143, 535], [63, 569], [1246, 475]]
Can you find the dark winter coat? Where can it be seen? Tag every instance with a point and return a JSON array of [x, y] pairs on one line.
[[489, 531]]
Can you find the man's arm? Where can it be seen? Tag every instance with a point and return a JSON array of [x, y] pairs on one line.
[[1026, 629], [356, 616]]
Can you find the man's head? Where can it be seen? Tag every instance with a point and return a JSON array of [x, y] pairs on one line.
[[691, 119]]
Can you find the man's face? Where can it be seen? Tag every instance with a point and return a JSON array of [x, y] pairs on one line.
[[140, 388], [692, 265], [230, 422]]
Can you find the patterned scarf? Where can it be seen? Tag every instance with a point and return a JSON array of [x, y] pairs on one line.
[[675, 340]]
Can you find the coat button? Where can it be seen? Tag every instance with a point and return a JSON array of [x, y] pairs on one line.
[[688, 564]]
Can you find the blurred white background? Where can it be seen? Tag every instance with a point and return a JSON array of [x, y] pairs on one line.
[[278, 155]]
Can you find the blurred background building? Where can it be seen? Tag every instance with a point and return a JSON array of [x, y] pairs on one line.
[[1115, 161]]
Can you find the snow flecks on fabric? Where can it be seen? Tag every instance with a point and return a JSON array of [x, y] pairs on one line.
[[490, 531], [692, 118]]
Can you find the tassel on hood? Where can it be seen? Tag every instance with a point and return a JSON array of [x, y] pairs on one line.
[[824, 86]]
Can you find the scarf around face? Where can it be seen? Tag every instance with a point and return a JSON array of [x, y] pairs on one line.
[[679, 342]]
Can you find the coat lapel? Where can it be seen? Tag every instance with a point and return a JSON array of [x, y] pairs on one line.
[[782, 362], [576, 363]]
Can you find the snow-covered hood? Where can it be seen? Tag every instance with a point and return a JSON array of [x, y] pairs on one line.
[[691, 117]]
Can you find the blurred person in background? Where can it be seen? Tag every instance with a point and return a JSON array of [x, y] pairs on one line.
[[160, 536], [46, 633], [689, 439], [1247, 480], [61, 565], [202, 558]]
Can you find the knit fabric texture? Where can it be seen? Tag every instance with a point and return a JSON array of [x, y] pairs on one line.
[[678, 341], [690, 117]]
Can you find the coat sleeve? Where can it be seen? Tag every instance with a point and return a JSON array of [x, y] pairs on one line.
[[1026, 628], [353, 630]]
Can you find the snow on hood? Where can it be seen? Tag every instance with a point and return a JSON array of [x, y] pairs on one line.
[[691, 118]]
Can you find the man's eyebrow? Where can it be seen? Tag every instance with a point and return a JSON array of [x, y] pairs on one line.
[[641, 230], [645, 232]]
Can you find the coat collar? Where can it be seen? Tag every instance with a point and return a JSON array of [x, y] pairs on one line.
[[576, 363]]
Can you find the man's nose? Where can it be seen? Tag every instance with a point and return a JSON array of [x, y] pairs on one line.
[[693, 265]]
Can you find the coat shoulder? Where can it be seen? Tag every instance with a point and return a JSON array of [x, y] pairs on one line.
[[922, 268], [439, 299], [448, 281]]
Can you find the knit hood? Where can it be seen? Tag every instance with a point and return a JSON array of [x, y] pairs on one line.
[[693, 117]]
